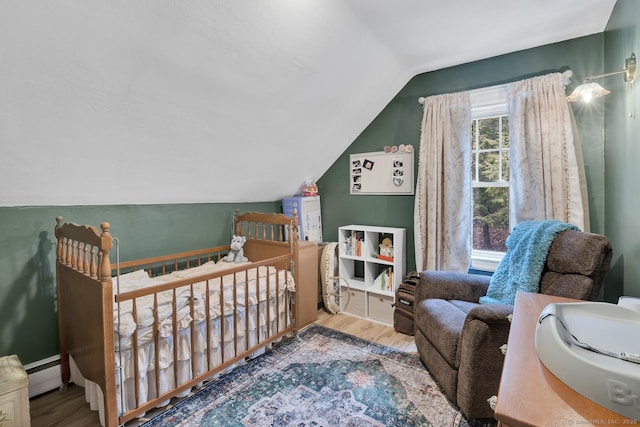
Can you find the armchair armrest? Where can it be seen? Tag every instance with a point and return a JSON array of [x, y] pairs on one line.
[[490, 313], [448, 285], [480, 355]]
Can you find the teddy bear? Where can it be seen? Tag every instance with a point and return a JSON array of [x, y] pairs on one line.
[[236, 251]]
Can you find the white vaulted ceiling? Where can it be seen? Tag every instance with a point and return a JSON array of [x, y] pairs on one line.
[[170, 101]]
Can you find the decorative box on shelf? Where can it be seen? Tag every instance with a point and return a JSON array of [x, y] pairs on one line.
[[386, 249], [371, 260], [309, 216], [14, 393]]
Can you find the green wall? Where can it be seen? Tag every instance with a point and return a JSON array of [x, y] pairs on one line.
[[622, 149], [28, 316], [399, 123]]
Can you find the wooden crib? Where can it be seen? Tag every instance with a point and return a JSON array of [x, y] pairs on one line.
[[148, 330]]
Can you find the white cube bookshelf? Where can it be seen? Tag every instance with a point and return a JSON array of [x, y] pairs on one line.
[[373, 277]]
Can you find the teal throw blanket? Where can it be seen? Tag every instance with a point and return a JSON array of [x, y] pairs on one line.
[[520, 269]]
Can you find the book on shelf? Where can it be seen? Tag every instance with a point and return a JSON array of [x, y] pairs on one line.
[[384, 281], [354, 243]]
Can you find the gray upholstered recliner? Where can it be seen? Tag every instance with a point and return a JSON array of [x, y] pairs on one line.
[[459, 340]]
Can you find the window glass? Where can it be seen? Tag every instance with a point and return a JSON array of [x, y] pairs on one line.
[[490, 182]]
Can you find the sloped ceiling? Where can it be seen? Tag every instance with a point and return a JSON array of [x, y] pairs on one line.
[[167, 101]]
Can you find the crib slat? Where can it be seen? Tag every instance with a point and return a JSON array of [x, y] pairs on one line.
[[85, 259], [287, 304], [247, 312], [134, 354], [193, 330], [235, 315], [207, 318], [60, 250], [268, 299], [74, 255], [258, 309], [69, 245], [175, 339], [156, 342], [79, 254], [222, 321], [93, 268]]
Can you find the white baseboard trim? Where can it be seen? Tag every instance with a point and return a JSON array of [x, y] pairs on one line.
[[42, 380]]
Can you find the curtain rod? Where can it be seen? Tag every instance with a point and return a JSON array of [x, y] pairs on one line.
[[567, 74]]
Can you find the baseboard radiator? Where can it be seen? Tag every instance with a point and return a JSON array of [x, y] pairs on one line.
[[44, 375]]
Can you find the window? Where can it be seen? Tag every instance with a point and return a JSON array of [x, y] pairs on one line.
[[489, 177]]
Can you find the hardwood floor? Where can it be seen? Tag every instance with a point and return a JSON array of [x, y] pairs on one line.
[[370, 331], [69, 409]]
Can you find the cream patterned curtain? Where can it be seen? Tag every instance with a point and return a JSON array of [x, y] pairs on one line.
[[545, 176], [442, 214]]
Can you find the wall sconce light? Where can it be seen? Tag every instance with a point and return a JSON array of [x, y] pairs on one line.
[[590, 89]]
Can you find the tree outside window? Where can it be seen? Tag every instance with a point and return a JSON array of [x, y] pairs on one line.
[[490, 182]]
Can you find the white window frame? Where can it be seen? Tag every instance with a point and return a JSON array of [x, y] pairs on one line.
[[487, 103]]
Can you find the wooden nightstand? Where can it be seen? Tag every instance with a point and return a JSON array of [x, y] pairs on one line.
[[14, 393]]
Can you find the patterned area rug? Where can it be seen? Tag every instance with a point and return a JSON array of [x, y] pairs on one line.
[[321, 378]]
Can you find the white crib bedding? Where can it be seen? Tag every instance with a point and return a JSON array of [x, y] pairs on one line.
[[125, 324]]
